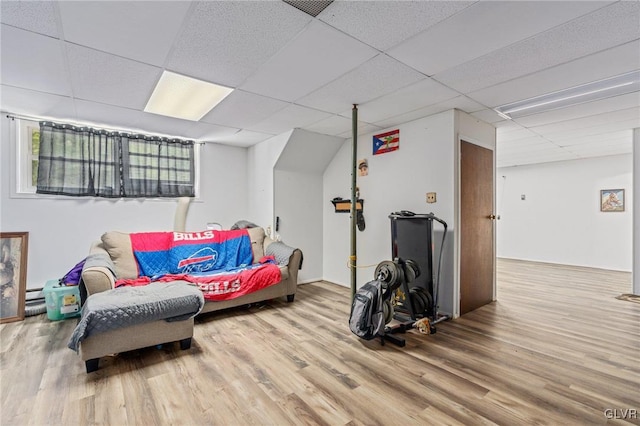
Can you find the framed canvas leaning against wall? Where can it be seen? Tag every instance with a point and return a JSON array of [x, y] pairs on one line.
[[13, 275]]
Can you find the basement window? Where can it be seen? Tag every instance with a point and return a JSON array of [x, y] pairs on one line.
[[79, 161], [28, 133]]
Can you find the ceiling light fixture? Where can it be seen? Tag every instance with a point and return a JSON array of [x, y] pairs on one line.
[[601, 89], [184, 97]]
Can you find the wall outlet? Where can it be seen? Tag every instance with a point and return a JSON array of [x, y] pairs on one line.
[[431, 197]]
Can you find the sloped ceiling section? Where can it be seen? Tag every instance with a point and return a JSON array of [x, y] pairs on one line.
[[97, 62], [308, 152]]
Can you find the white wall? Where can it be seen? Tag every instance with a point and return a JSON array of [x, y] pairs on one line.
[[261, 160], [299, 197], [298, 203], [560, 220], [62, 229], [398, 180]]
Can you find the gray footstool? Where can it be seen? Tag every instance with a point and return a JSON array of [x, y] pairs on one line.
[[129, 318]]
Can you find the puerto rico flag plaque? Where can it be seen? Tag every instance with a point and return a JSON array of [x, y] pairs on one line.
[[386, 142]]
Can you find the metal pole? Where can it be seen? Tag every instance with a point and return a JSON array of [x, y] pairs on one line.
[[354, 167]]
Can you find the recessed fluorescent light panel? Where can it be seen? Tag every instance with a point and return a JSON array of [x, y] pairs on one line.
[[614, 86], [184, 97]]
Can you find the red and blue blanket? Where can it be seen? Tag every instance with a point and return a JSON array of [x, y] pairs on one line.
[[219, 262]]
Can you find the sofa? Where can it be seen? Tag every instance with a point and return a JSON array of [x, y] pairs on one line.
[[111, 259]]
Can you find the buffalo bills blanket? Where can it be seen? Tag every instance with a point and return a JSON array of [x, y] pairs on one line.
[[160, 253], [219, 262]]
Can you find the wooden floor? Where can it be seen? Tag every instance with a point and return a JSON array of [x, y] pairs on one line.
[[557, 348]]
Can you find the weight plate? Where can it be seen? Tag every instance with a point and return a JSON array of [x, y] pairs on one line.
[[417, 302], [412, 270], [387, 308], [387, 272], [426, 299]]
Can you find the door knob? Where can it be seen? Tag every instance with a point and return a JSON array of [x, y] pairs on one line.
[[493, 217]]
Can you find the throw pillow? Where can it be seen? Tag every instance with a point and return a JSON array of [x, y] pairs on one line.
[[118, 245], [256, 235]]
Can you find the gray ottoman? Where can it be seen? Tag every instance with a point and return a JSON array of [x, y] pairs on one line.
[[129, 318]]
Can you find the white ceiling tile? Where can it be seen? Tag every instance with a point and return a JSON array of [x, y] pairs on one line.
[[616, 103], [243, 109], [410, 98], [209, 132], [36, 16], [591, 120], [288, 57], [32, 61], [589, 150], [506, 127], [482, 28], [551, 158], [39, 104], [488, 116], [521, 143], [615, 25], [552, 153], [247, 138], [143, 31], [603, 145], [169, 126], [291, 117], [112, 117], [363, 129], [224, 42], [619, 136], [333, 125], [593, 130], [513, 134], [619, 151], [118, 118], [110, 79], [374, 78], [600, 65], [383, 24], [460, 102], [317, 56], [540, 148]]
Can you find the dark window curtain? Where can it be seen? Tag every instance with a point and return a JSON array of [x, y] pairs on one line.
[[157, 167], [77, 161], [80, 161]]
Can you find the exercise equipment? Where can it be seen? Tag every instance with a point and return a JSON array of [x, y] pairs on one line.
[[412, 239], [395, 277], [409, 285]]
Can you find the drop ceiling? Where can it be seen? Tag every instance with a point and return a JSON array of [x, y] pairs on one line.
[[98, 62]]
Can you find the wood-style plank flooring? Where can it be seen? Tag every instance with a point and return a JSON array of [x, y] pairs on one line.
[[557, 348]]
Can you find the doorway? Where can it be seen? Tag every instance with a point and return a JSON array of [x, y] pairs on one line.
[[477, 227]]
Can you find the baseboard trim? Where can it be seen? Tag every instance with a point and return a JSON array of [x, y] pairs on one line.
[[315, 280], [563, 264]]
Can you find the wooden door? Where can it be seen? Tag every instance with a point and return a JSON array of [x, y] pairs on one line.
[[477, 255]]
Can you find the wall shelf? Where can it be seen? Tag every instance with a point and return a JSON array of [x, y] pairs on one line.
[[344, 206]]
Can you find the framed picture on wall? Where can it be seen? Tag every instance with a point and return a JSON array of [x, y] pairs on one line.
[[13, 275], [612, 200]]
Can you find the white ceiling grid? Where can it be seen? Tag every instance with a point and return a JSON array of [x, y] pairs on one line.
[[98, 62]]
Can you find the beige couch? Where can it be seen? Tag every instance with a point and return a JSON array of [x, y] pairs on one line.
[[116, 246]]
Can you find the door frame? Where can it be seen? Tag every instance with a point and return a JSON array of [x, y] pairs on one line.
[[456, 219]]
